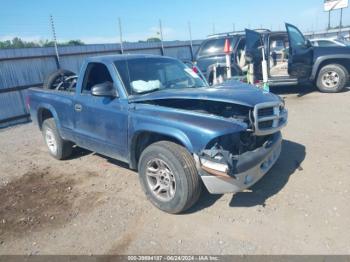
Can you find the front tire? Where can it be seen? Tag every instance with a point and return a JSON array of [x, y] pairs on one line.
[[58, 148], [332, 78], [169, 177]]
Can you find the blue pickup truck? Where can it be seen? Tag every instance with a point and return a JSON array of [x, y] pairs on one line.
[[161, 118]]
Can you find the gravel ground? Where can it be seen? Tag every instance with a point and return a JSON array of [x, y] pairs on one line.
[[91, 204]]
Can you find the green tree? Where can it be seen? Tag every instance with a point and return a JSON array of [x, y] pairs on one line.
[[75, 42], [5, 44], [17, 42], [153, 39]]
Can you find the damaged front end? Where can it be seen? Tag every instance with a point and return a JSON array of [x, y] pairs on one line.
[[234, 162]]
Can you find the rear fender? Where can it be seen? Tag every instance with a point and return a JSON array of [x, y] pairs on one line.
[[320, 60], [45, 106]]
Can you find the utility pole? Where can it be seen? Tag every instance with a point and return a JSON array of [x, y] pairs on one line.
[[121, 36], [234, 27], [161, 36], [55, 41], [329, 19], [191, 44]]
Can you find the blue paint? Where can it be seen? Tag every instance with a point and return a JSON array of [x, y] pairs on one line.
[[109, 126]]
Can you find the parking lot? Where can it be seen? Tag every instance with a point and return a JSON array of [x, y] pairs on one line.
[[91, 204]]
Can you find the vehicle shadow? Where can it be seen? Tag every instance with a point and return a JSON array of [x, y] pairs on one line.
[[78, 152], [300, 90], [205, 200], [292, 156], [114, 161]]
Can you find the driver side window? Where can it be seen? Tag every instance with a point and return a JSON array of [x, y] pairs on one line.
[[296, 38], [96, 73]]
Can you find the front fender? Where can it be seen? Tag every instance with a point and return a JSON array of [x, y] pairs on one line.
[[193, 130], [164, 130]]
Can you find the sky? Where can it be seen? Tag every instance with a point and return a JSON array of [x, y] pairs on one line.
[[94, 21]]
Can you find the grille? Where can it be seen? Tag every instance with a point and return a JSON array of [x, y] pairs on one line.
[[268, 111], [269, 118], [265, 124]]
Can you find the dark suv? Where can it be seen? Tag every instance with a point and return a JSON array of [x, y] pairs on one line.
[[211, 53], [291, 59]]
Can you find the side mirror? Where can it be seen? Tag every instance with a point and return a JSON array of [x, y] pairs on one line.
[[308, 43], [104, 89]]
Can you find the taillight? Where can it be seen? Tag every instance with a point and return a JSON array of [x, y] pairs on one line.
[[28, 102], [195, 69]]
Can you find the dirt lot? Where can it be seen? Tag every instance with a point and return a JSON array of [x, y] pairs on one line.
[[94, 205]]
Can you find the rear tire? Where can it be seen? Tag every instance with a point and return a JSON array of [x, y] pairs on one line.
[[58, 148], [332, 78], [169, 177], [57, 77]]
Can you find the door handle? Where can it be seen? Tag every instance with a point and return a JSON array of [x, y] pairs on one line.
[[78, 107]]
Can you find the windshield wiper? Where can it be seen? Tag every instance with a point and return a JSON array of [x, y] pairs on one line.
[[148, 91]]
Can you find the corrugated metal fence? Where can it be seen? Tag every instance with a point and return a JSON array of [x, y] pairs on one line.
[[27, 67]]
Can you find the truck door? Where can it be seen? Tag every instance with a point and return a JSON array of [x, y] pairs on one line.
[[300, 58], [253, 51], [100, 122]]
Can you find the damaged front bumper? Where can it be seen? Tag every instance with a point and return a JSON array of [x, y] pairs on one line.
[[249, 168]]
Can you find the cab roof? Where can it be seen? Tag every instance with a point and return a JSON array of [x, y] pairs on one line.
[[235, 33]]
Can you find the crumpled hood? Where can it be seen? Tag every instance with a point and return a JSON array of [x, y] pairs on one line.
[[229, 92]]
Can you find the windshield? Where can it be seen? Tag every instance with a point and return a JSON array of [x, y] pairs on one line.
[[216, 46], [144, 75]]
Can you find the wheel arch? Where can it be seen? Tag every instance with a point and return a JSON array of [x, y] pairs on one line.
[[143, 138], [327, 60], [45, 112]]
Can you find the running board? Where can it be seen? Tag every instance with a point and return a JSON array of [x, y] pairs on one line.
[[283, 82]]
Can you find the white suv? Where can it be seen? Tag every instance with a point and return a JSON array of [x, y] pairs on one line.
[[329, 42]]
